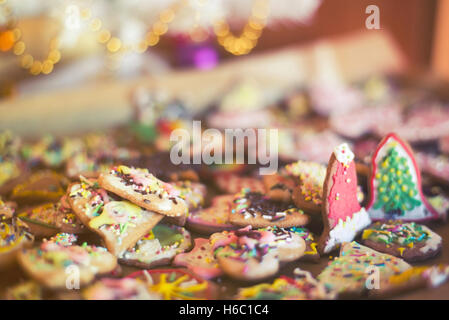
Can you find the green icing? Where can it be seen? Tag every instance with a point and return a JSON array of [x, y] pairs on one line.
[[396, 189], [167, 236]]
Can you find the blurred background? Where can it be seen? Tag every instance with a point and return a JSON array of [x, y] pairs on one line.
[[81, 54]]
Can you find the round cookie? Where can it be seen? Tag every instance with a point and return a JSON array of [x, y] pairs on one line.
[[251, 255], [409, 241], [257, 210]]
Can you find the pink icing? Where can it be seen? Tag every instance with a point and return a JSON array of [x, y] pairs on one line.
[[342, 199]]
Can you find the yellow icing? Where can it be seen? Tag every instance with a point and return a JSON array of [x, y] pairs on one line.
[[171, 290], [107, 216]]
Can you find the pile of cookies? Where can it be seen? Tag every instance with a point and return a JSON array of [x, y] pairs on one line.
[[109, 216], [129, 219]]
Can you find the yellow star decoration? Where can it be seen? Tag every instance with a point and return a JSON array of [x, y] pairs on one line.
[[171, 290], [277, 285]]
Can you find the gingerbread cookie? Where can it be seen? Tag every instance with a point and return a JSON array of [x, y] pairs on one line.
[[247, 254], [395, 184], [119, 289], [343, 217], [412, 279], [279, 187], [311, 253], [42, 186], [214, 218], [409, 241], [14, 236], [308, 193], [257, 210], [66, 220], [48, 263], [142, 188], [175, 284], [42, 219], [348, 273], [200, 260], [158, 247], [232, 183], [28, 290], [120, 223], [302, 287]]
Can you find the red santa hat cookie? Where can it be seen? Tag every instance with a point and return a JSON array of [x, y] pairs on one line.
[[395, 184], [343, 217]]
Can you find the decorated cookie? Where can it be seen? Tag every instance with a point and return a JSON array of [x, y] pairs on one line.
[[48, 263], [278, 187], [426, 122], [119, 289], [51, 152], [200, 260], [120, 223], [192, 193], [247, 254], [302, 287], [161, 166], [257, 210], [308, 193], [67, 221], [88, 167], [14, 236], [412, 279], [409, 241], [28, 290], [175, 284], [42, 219], [231, 183], [158, 247], [41, 186], [343, 217], [348, 273], [395, 184], [142, 188], [214, 218], [436, 166], [311, 253], [7, 209]]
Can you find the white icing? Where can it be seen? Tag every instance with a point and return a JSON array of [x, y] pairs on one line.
[[432, 242], [346, 231], [344, 154]]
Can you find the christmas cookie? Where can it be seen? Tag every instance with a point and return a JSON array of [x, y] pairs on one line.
[[257, 210], [311, 253], [302, 287], [161, 166], [158, 247], [412, 279], [343, 217], [42, 219], [41, 186], [119, 289], [175, 284], [407, 240], [142, 188], [232, 183], [200, 260], [212, 219], [308, 193], [247, 254], [14, 236], [120, 223], [349, 273], [28, 290], [66, 220], [436, 166], [395, 184], [49, 262], [279, 187]]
